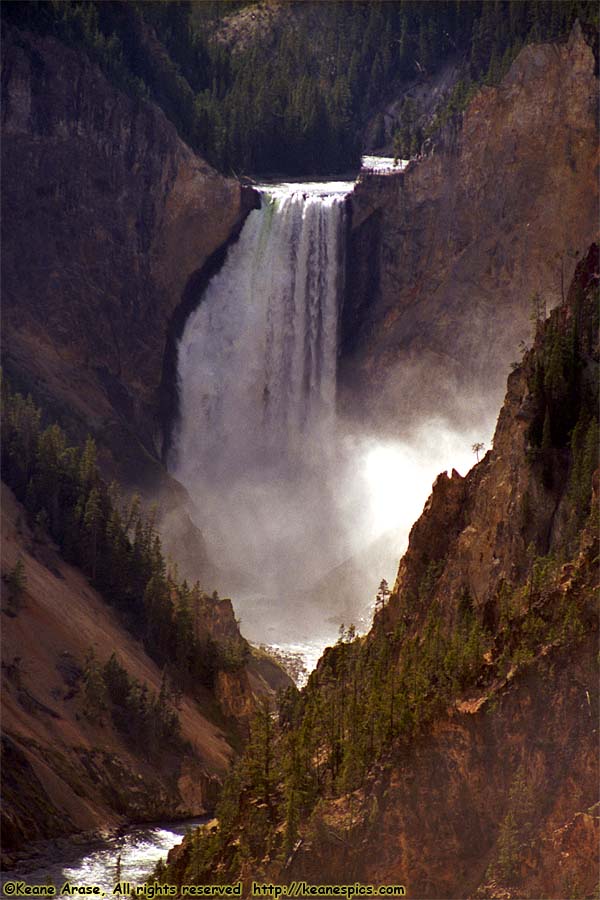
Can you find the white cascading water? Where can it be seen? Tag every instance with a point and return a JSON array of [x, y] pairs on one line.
[[257, 383], [283, 495]]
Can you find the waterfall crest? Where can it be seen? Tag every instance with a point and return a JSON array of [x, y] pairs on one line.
[[257, 380]]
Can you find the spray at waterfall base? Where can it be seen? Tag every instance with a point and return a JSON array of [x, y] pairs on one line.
[[302, 515]]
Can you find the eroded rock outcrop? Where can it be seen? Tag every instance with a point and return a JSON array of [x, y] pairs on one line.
[[434, 817], [444, 257], [480, 532]]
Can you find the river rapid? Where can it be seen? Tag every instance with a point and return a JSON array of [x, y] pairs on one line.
[[86, 860]]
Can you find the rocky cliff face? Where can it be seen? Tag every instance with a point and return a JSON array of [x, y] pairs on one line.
[[489, 788], [437, 818], [107, 218], [444, 257], [481, 531], [498, 798], [64, 770]]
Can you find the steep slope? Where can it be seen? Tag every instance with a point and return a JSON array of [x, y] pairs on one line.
[[453, 750], [63, 772], [66, 770], [107, 216], [444, 257]]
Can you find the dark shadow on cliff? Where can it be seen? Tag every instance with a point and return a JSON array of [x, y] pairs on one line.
[[168, 394]]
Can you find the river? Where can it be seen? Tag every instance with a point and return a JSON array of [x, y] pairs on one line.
[[94, 861]]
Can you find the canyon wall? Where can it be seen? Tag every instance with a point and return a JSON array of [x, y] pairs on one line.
[[433, 817], [445, 257], [498, 799], [108, 215], [111, 226], [64, 770]]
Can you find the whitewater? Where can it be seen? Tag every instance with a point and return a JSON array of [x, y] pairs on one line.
[[289, 501]]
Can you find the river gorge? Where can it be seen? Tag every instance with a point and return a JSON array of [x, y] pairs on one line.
[[265, 405]]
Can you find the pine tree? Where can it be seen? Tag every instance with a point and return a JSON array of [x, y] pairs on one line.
[[16, 583], [21, 434], [92, 522], [159, 619], [94, 689], [383, 595], [50, 451], [260, 762], [508, 848], [547, 450], [115, 560], [184, 636], [88, 469], [116, 681]]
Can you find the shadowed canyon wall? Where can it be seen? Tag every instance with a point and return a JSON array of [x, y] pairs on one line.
[[107, 215], [64, 770], [445, 257], [116, 217]]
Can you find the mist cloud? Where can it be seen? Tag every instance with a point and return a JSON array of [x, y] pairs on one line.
[[303, 512]]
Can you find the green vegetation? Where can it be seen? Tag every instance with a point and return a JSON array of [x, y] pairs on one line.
[[477, 447], [16, 582], [498, 34], [297, 97], [118, 548], [150, 722], [565, 393], [517, 825]]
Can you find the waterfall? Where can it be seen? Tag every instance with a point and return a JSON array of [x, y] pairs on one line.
[[257, 382], [302, 514]]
